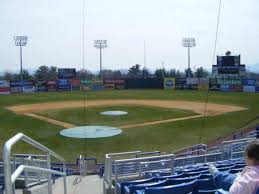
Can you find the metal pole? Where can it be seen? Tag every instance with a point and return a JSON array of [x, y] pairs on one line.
[[189, 63], [49, 174], [21, 62], [145, 60], [101, 61]]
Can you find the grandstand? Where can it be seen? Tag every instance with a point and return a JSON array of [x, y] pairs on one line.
[[137, 172]]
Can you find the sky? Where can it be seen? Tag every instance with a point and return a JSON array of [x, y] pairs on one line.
[[55, 31]]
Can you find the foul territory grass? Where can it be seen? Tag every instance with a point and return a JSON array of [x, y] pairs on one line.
[[164, 137], [92, 116]]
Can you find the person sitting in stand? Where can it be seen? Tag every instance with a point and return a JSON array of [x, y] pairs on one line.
[[247, 182]]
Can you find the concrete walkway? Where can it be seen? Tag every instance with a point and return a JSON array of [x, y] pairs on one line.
[[80, 185]]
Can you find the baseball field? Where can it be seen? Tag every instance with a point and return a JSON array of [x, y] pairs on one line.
[[161, 120]]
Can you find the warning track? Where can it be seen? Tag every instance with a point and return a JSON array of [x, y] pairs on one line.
[[197, 107]]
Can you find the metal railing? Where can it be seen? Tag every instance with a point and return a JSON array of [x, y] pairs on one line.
[[11, 176], [132, 167], [109, 165]]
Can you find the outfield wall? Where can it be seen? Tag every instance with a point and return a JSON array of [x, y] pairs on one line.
[[170, 83]]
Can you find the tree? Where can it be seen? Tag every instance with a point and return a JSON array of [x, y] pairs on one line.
[[145, 73], [25, 75], [53, 72], [42, 73], [201, 73], [84, 74], [178, 74], [134, 71], [160, 73], [188, 72], [173, 73], [9, 76]]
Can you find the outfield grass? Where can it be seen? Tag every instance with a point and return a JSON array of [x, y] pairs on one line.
[[165, 137], [92, 116]]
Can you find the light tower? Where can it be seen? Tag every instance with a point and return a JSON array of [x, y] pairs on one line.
[[21, 41], [100, 44], [189, 42]]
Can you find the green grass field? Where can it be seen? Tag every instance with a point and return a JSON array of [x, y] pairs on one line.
[[164, 137], [92, 116]]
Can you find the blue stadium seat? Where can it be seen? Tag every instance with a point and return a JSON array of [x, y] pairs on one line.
[[184, 188], [175, 181], [121, 185], [235, 171], [206, 186]]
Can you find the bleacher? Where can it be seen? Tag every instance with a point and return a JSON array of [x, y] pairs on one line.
[[182, 171], [185, 172]]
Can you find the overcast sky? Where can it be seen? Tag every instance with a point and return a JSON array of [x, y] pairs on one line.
[[54, 28]]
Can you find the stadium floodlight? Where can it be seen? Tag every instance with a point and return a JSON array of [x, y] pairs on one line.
[[189, 42], [100, 44], [21, 41]]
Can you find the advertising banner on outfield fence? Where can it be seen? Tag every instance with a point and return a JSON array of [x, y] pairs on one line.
[[4, 87], [192, 81], [225, 88], [204, 81], [97, 87], [234, 81], [52, 85], [249, 82], [203, 87], [41, 86], [257, 89], [64, 85], [109, 86], [97, 84], [86, 85], [257, 83], [192, 87], [169, 83], [28, 86], [75, 84], [236, 88], [97, 81], [214, 87], [66, 73], [118, 83], [16, 86], [249, 89]]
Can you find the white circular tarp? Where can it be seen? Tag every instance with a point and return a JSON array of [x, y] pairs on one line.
[[90, 132], [114, 113]]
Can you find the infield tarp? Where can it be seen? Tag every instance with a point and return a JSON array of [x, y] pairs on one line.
[[169, 83], [4, 87]]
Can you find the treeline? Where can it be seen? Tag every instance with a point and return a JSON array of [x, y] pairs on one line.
[[136, 71]]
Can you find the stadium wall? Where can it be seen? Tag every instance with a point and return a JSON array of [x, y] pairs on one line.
[[75, 84]]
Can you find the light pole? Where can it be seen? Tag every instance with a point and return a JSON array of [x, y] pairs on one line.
[[189, 42], [100, 44], [21, 41]]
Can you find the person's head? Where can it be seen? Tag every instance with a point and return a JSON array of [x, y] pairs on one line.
[[252, 153]]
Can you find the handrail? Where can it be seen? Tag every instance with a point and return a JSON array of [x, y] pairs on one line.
[[26, 168], [193, 146], [7, 157]]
